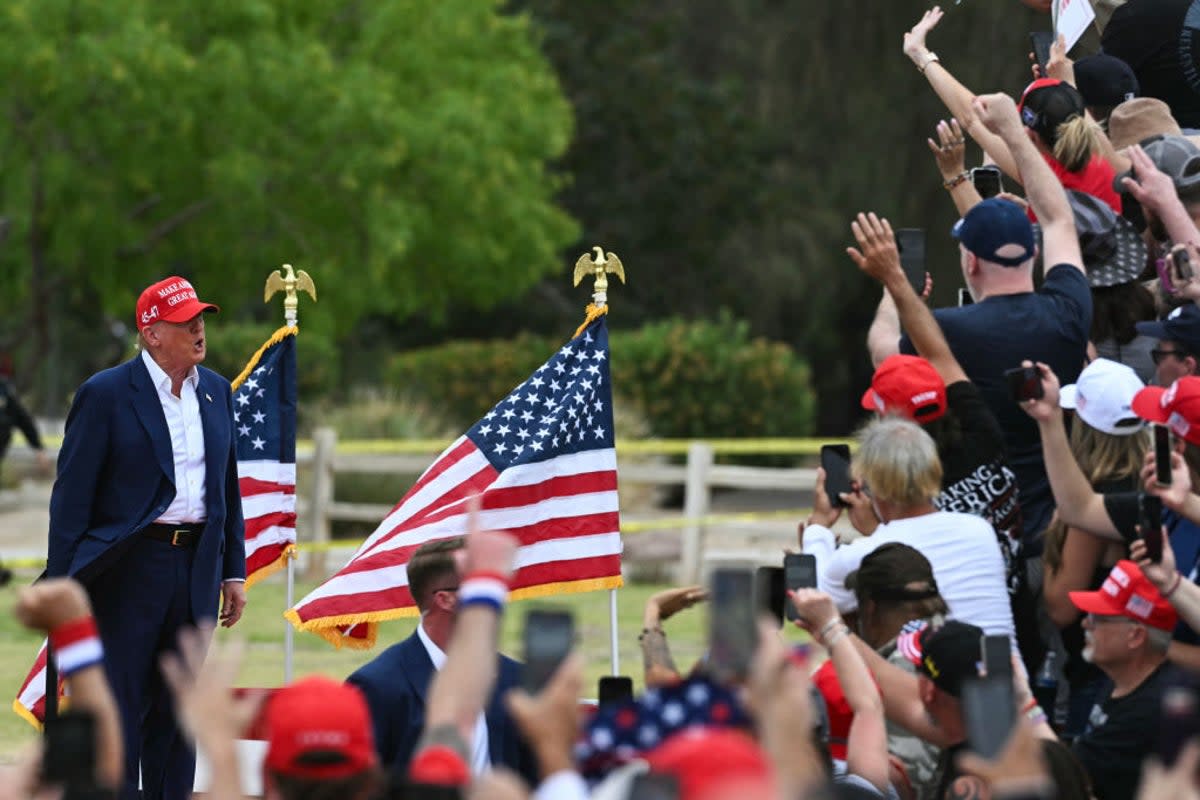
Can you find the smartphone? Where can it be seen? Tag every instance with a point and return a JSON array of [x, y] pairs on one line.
[[69, 758], [1180, 720], [1163, 265], [732, 629], [548, 637], [964, 297], [835, 460], [1162, 455], [989, 702], [770, 592], [1183, 263], [799, 572], [614, 689], [987, 181], [1039, 43], [911, 244], [1150, 523], [1024, 383], [654, 786]]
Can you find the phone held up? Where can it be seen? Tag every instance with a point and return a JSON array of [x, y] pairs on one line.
[[911, 244], [835, 460], [732, 630], [614, 689], [548, 638], [988, 701], [986, 180], [1162, 455], [799, 572], [1040, 42], [1024, 383], [770, 592], [1150, 524]]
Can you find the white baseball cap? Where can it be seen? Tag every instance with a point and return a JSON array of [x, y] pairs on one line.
[[1102, 397]]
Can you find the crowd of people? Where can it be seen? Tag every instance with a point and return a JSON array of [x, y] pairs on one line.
[[1021, 549]]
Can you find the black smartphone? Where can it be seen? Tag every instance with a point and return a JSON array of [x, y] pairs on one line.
[[1162, 455], [1024, 383], [964, 297], [1180, 719], [1182, 263], [770, 592], [799, 572], [1150, 523], [989, 702], [1039, 43], [835, 460], [548, 637], [654, 786], [69, 758], [987, 181], [911, 244], [732, 629], [614, 689]]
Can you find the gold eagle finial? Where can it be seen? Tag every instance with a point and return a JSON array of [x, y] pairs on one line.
[[600, 265], [289, 282]]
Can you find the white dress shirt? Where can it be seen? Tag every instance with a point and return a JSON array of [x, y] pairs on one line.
[[187, 443], [480, 762]]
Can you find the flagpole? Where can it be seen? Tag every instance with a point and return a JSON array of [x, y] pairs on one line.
[[599, 267], [288, 281]]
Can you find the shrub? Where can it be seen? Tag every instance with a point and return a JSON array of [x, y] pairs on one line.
[[231, 344], [684, 379]]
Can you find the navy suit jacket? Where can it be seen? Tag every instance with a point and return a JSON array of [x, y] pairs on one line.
[[395, 684], [116, 475]]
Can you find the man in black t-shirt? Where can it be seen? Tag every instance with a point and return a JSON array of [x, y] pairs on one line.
[[1160, 40], [1128, 630]]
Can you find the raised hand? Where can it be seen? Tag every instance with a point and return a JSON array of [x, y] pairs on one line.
[[998, 113], [914, 40], [1046, 407], [47, 604], [876, 254], [950, 149]]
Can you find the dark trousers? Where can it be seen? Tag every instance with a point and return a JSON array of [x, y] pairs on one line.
[[140, 604]]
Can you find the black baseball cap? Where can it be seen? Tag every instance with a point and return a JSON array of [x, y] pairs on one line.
[[947, 654]]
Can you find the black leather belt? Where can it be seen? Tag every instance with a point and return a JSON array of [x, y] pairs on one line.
[[183, 534]]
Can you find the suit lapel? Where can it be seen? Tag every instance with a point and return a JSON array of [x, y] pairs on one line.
[[214, 452], [416, 666], [149, 411]]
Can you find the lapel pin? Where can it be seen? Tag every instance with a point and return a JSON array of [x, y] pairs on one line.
[[208, 397]]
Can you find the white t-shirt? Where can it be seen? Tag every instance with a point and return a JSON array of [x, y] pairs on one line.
[[962, 549]]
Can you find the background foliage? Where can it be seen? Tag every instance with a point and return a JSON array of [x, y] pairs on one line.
[[421, 161]]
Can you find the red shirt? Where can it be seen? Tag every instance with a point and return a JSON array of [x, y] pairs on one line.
[[1095, 179]]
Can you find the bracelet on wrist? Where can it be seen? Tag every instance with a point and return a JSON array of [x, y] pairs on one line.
[[837, 636], [957, 180], [829, 626], [76, 645], [483, 588], [929, 59], [1174, 585]]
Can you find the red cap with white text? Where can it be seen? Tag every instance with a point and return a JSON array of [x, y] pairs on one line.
[[1177, 407], [909, 386], [1126, 592], [171, 300]]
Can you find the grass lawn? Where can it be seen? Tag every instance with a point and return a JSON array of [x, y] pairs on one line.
[[262, 628]]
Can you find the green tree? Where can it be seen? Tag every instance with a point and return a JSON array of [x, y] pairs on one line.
[[397, 151]]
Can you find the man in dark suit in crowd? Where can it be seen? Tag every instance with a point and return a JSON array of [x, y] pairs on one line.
[[396, 682], [146, 513]]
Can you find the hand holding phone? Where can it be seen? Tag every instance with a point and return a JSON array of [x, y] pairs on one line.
[[987, 181], [548, 638], [835, 460], [1040, 42], [799, 572], [1024, 383], [1150, 525], [1162, 455], [989, 702], [732, 629]]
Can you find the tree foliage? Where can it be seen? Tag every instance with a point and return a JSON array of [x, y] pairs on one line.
[[397, 151]]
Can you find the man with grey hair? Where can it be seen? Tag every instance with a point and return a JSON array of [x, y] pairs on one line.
[[1128, 630], [898, 468]]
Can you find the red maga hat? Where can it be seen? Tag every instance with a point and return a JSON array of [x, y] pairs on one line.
[[909, 386], [319, 728], [172, 300], [1177, 407], [1126, 592]]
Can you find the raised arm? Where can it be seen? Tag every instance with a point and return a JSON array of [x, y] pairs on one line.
[[658, 666], [949, 151], [877, 256], [1079, 505], [956, 97], [1156, 192], [1046, 195]]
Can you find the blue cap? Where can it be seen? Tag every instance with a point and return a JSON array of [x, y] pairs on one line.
[[1181, 326], [993, 224]]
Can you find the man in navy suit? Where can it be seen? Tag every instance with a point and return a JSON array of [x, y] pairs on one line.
[[146, 514], [396, 682]]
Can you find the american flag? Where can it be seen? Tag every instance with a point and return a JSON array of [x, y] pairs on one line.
[[264, 398], [543, 464], [264, 421]]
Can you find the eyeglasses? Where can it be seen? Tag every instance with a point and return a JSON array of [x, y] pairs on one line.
[[1158, 355], [1098, 619]]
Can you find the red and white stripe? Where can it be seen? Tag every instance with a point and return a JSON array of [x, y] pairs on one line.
[[30, 702], [563, 510], [268, 490], [76, 645]]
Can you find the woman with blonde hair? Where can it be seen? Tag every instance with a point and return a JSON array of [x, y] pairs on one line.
[[1109, 442]]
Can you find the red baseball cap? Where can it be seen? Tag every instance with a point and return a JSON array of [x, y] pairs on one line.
[[713, 762], [319, 728], [909, 386], [1177, 407], [1128, 593], [171, 299]]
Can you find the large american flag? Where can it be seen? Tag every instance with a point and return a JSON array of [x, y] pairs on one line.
[[264, 421], [543, 464], [264, 401]]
